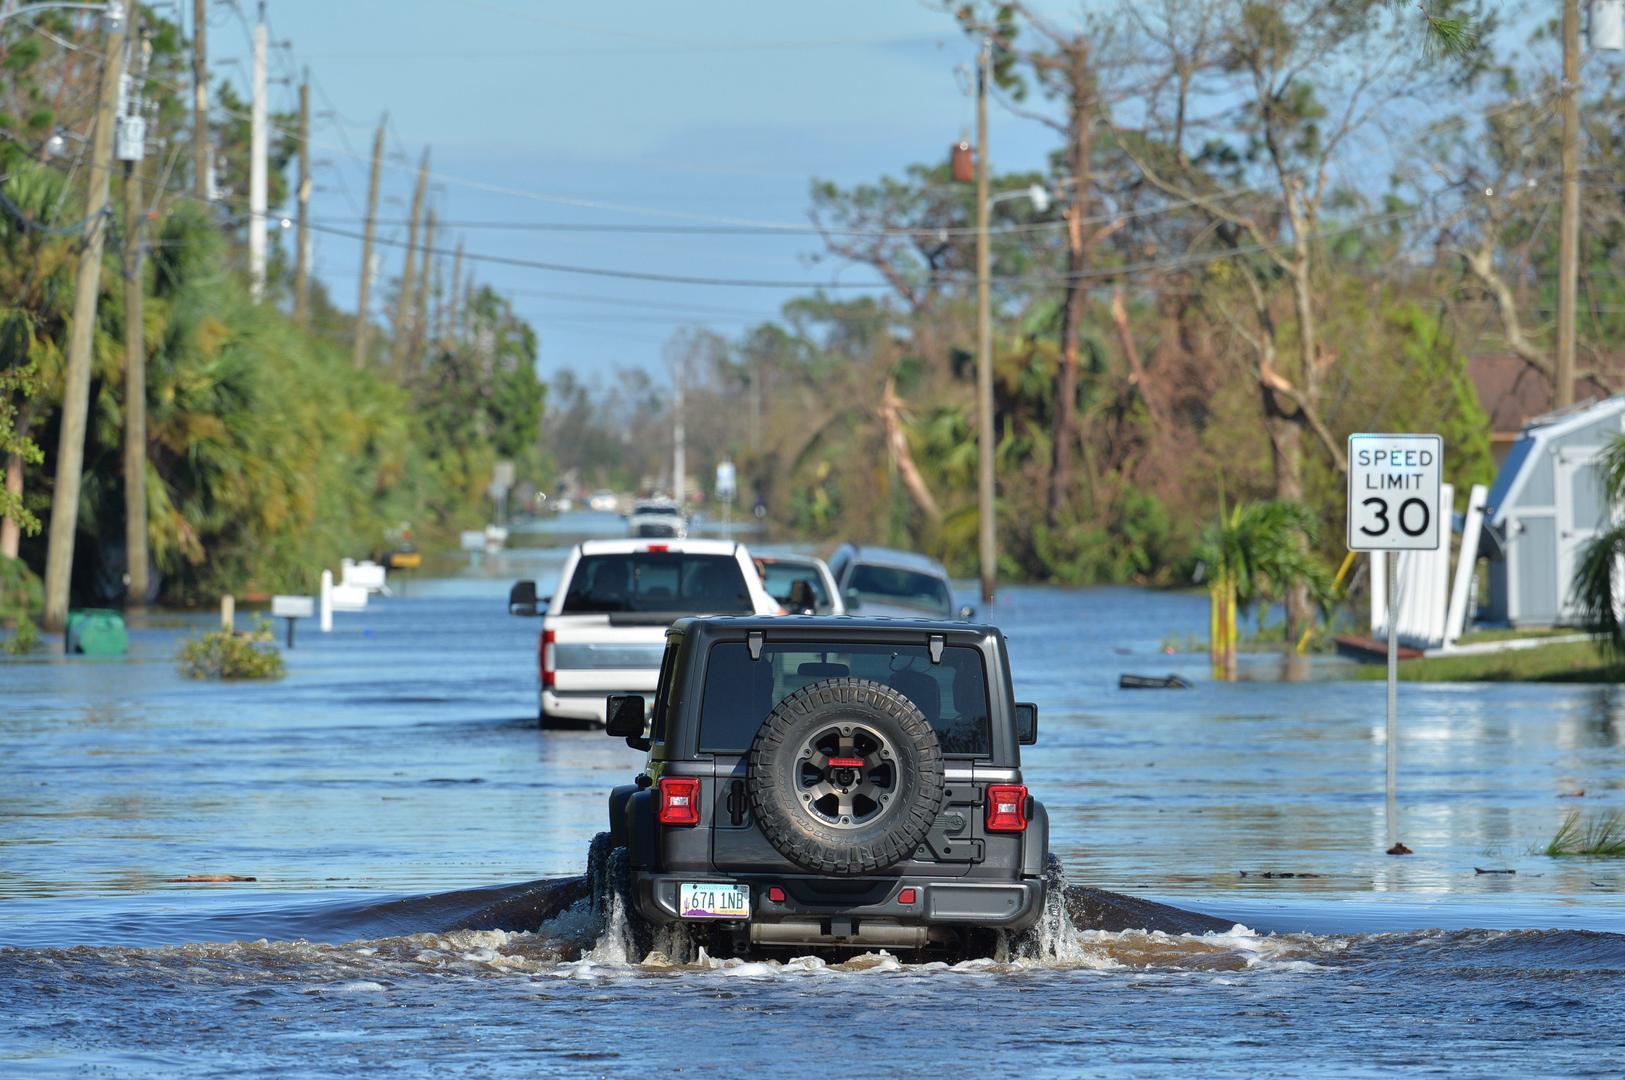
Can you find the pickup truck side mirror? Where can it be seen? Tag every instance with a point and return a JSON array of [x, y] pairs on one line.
[[522, 599], [623, 718], [966, 612], [851, 598], [1026, 723]]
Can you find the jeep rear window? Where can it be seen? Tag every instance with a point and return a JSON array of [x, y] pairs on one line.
[[663, 581], [740, 692]]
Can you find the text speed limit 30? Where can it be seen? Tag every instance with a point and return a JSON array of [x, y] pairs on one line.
[[1394, 492]]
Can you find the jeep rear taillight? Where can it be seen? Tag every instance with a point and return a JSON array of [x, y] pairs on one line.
[[1006, 807], [679, 800], [546, 657]]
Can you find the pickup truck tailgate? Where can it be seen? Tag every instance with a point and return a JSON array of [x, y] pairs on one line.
[[589, 653]]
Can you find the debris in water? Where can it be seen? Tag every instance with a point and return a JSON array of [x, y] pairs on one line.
[[198, 879], [1152, 682], [1282, 874], [1400, 849], [1481, 870], [1573, 794]]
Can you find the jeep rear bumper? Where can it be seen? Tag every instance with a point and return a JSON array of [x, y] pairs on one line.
[[877, 915]]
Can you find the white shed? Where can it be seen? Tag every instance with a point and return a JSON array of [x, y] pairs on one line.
[[1547, 503]]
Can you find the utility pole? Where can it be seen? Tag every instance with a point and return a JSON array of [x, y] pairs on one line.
[[1568, 236], [405, 303], [679, 441], [301, 265], [70, 453], [257, 167], [987, 552], [135, 339], [453, 313], [200, 100], [362, 323], [427, 287]]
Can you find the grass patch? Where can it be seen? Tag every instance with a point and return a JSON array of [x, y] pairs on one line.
[[1512, 633], [1574, 661], [230, 656], [1600, 837]]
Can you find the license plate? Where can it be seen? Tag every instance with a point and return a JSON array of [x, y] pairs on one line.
[[714, 901]]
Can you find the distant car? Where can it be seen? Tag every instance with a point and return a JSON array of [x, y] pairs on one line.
[[604, 501], [900, 584], [604, 628], [656, 518], [802, 584]]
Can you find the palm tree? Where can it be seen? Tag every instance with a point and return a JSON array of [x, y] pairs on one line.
[[1256, 551], [1599, 580]]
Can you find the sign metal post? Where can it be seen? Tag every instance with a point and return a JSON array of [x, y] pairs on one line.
[[1393, 506]]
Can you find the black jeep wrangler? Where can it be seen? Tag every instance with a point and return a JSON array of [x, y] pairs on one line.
[[829, 783]]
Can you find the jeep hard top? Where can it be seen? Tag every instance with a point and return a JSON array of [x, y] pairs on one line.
[[828, 782]]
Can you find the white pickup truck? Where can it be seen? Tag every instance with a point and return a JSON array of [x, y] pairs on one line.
[[604, 627]]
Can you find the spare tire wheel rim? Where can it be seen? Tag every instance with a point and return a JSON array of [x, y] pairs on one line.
[[846, 775]]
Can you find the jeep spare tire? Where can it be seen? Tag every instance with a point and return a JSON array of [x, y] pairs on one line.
[[845, 777]]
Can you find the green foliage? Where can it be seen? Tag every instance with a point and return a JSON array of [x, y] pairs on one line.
[[24, 639], [21, 591], [1262, 549], [223, 654], [1600, 837]]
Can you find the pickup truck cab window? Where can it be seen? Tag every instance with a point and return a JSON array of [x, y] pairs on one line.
[[654, 581]]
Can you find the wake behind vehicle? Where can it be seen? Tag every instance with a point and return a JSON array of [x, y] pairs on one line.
[[604, 629], [843, 783]]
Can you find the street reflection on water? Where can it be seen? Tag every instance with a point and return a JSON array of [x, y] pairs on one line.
[[400, 763]]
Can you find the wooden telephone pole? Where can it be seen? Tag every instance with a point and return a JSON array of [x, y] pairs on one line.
[[301, 261], [200, 99], [406, 302], [135, 372], [362, 322], [1568, 236], [70, 452], [987, 550]]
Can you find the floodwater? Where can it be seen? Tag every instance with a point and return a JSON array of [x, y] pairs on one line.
[[413, 838]]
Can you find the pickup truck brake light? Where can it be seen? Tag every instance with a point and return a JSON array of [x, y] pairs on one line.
[[546, 657], [679, 800], [1006, 808], [658, 548]]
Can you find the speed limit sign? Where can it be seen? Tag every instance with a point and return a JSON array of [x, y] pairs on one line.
[[1394, 492]]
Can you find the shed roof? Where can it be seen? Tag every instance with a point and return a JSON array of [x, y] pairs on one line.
[[1533, 443]]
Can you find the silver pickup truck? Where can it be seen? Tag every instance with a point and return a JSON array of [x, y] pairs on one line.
[[604, 627]]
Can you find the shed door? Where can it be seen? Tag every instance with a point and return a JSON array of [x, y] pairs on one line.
[[1582, 512]]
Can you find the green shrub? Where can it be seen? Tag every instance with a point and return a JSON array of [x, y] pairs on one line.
[[21, 591], [24, 639], [227, 655]]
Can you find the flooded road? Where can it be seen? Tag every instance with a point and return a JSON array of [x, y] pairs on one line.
[[390, 794]]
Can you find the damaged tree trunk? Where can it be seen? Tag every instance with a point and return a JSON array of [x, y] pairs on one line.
[[891, 407], [1080, 132]]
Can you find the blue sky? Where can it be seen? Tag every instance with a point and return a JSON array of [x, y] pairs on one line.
[[666, 114]]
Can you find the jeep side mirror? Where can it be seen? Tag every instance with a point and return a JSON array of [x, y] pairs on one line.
[[522, 598], [1026, 723], [624, 715], [966, 612]]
